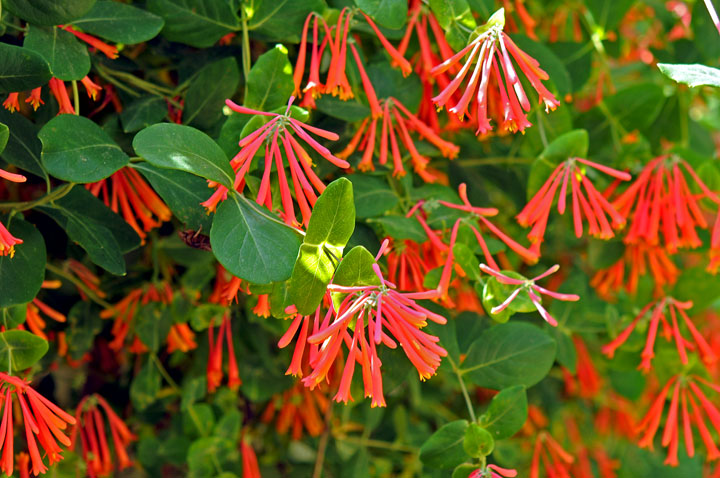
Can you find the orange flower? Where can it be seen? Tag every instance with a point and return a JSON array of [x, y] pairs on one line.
[[34, 99], [109, 50], [298, 409], [556, 461], [215, 352], [249, 460], [11, 103], [57, 87]]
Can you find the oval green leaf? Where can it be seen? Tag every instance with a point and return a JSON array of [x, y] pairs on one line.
[[20, 349], [120, 23], [21, 69], [22, 275], [444, 448], [48, 12], [67, 57]]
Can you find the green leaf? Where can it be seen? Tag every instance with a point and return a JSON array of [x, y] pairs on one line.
[[11, 317], [373, 195], [569, 145], [76, 149], [22, 275], [478, 441], [142, 113], [703, 29], [444, 448], [608, 13], [84, 324], [333, 217], [120, 23], [21, 69], [636, 106], [204, 453], [4, 136], [145, 386], [697, 285], [401, 227], [252, 243], [495, 293], [548, 60], [270, 81], [691, 75], [467, 260], [182, 192], [347, 110], [48, 12], [310, 277], [174, 146], [153, 325], [389, 81], [356, 269], [388, 13], [198, 23], [456, 18], [23, 146], [229, 425], [504, 355], [97, 240], [208, 90], [80, 201], [67, 57], [464, 470], [20, 349], [507, 413], [281, 20]]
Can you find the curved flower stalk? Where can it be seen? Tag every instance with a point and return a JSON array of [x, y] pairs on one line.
[[493, 471], [556, 461], [659, 202], [127, 192], [395, 123], [281, 131], [297, 409], [489, 43], [670, 331], [389, 315], [44, 422], [689, 407], [93, 438], [215, 356], [594, 208], [638, 259], [336, 81], [533, 290]]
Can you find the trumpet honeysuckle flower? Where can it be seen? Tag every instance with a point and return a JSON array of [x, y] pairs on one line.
[[276, 135], [639, 259], [109, 50], [44, 423], [659, 203], [34, 99], [93, 439], [689, 408], [249, 459], [11, 102], [215, 354], [7, 242], [393, 128], [670, 331], [493, 471], [533, 290], [298, 409], [590, 204], [374, 314], [126, 192], [59, 91], [33, 320], [409, 262], [714, 263], [527, 21], [490, 46], [555, 460], [91, 88], [335, 41]]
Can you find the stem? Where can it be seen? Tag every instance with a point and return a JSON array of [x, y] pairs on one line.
[[322, 446], [76, 97], [376, 444], [245, 49], [49, 197], [684, 127], [494, 161], [541, 128], [167, 377], [465, 393], [79, 284]]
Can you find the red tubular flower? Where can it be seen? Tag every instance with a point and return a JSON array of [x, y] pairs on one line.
[[281, 129], [685, 391], [483, 49], [336, 82], [298, 409], [533, 290], [215, 354], [7, 242], [493, 471], [23, 464], [249, 460], [181, 337], [660, 202], [556, 461], [34, 321], [386, 312], [128, 193], [44, 423], [11, 103], [671, 331], [594, 207], [92, 88], [528, 22], [408, 264], [84, 274], [396, 122], [638, 258], [715, 247], [109, 50], [57, 87], [34, 99], [589, 380], [91, 430]]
